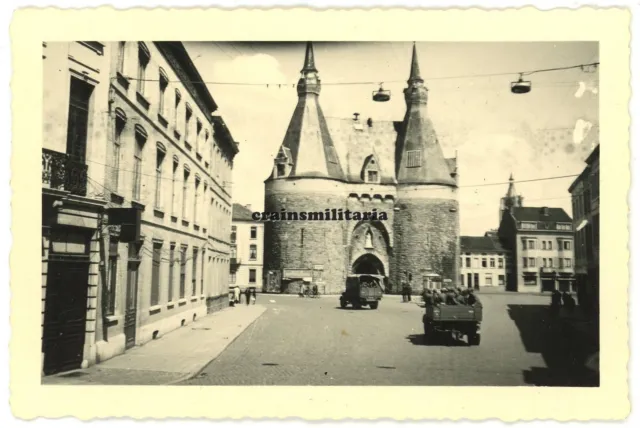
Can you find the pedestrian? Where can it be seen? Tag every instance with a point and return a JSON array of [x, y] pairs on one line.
[[232, 300], [236, 294], [247, 295], [409, 288], [253, 296], [302, 289]]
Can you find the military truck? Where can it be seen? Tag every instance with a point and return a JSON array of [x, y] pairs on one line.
[[363, 290]]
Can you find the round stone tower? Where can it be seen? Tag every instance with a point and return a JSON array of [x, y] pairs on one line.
[[307, 178], [426, 221]]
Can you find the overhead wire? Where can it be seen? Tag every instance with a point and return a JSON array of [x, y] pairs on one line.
[[378, 81]]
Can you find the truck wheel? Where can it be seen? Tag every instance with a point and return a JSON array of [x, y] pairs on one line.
[[373, 305]]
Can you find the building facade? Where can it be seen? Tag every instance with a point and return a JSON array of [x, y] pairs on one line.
[[482, 262], [395, 168], [75, 95], [160, 164], [247, 252], [540, 240], [585, 195]]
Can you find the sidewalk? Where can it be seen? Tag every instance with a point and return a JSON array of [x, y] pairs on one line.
[[174, 357]]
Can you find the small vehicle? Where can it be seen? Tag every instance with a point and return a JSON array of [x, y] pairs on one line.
[[363, 290], [461, 320]]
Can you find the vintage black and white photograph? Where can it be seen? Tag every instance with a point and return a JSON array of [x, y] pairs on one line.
[[320, 213]]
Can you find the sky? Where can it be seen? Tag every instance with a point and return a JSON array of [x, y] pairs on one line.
[[494, 132]]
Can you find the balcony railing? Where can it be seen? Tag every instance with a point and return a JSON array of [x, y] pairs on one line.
[[61, 172], [235, 261]]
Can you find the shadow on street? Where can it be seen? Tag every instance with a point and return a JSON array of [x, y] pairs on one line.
[[438, 340], [563, 348]]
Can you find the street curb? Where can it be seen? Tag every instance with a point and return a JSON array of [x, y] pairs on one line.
[[194, 373]]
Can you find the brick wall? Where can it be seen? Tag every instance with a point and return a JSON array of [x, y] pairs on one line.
[[323, 241], [426, 237]]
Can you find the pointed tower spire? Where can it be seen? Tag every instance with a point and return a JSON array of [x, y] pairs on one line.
[[511, 199], [311, 149], [309, 61], [511, 192], [419, 157], [414, 75]]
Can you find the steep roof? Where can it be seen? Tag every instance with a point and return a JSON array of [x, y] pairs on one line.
[[355, 141], [477, 244], [419, 158], [536, 214], [240, 212], [312, 151]]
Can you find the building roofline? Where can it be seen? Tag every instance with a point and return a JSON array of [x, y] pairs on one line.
[[595, 153], [198, 89]]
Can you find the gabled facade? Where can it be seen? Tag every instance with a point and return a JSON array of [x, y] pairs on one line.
[[361, 166]]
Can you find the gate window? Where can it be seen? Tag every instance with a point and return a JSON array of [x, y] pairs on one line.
[[252, 276]]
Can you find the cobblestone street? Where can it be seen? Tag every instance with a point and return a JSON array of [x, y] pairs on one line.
[[312, 341]]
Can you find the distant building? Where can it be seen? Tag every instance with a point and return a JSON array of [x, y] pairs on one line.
[[585, 195], [482, 262], [540, 240], [247, 237]]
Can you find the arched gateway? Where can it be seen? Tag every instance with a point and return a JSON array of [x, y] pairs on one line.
[[368, 263]]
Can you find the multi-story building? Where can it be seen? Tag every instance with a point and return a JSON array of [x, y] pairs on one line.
[[482, 262], [351, 166], [75, 98], [137, 201], [585, 195], [170, 158], [247, 237], [540, 240]]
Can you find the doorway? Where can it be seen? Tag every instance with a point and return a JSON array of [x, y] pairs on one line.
[[65, 314], [131, 299], [368, 263]]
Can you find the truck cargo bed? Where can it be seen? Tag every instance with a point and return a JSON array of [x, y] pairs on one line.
[[454, 313]]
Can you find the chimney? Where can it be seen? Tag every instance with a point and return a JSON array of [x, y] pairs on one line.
[[370, 122], [545, 211], [355, 116]]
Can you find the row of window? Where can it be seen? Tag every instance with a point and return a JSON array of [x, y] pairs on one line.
[[207, 147], [253, 252], [159, 256], [473, 280], [253, 233], [534, 244], [484, 262], [219, 213], [252, 277], [532, 225], [530, 262]]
